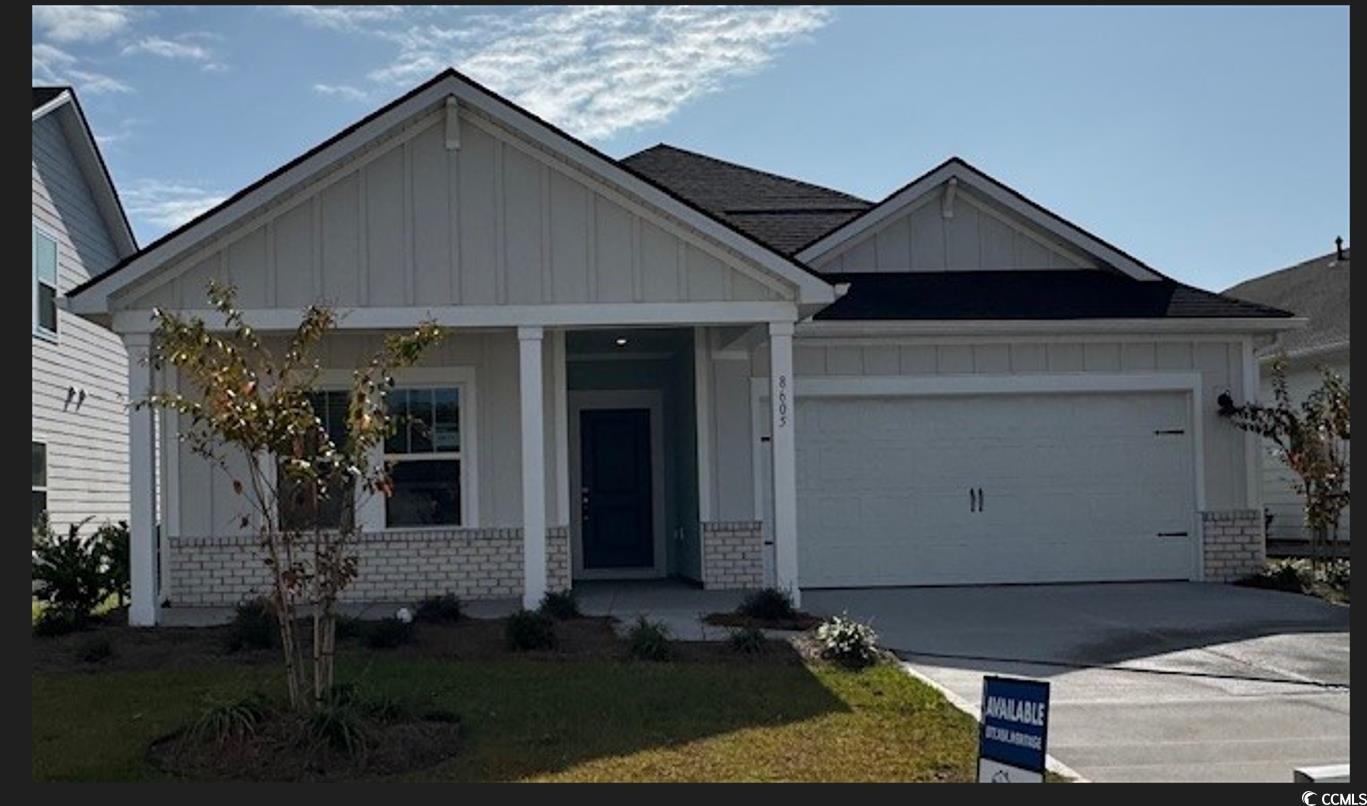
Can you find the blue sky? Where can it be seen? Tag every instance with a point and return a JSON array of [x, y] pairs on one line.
[[1211, 143]]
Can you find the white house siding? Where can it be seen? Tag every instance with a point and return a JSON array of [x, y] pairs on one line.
[[1219, 362], [87, 442], [1279, 495], [208, 506], [979, 236], [497, 221]]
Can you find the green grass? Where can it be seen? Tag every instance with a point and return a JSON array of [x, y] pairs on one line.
[[562, 720]]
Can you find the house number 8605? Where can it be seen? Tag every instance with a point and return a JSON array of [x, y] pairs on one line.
[[783, 401]]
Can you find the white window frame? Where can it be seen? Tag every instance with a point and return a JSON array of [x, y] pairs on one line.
[[38, 330]]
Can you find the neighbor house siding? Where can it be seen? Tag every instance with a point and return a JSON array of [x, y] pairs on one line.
[[87, 440], [1280, 499], [497, 221], [979, 235]]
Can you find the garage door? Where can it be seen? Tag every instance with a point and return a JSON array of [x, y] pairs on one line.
[[994, 489]]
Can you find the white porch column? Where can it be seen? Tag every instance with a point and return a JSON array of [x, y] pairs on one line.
[[142, 500], [533, 467], [784, 455]]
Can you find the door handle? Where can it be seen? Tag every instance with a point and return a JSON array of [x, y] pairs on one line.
[[980, 499], [972, 501], [583, 504]]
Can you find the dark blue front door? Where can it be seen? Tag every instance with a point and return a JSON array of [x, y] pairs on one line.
[[615, 499]]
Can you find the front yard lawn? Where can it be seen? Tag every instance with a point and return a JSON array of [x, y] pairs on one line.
[[581, 713]]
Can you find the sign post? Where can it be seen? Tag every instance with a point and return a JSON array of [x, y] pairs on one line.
[[1014, 729]]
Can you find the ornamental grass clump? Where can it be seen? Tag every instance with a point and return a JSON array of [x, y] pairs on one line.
[[847, 642]]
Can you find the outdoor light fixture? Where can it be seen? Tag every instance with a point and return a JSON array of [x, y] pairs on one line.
[[621, 341]]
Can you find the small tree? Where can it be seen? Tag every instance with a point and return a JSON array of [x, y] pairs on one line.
[[1311, 440], [256, 405]]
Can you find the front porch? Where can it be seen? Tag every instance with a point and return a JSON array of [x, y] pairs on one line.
[[541, 498]]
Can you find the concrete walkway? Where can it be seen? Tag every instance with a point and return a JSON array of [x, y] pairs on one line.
[[1150, 682], [680, 607]]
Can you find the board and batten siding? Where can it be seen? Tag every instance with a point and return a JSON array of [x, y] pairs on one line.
[[496, 221], [1280, 499], [87, 440], [978, 236], [209, 507], [1219, 362]]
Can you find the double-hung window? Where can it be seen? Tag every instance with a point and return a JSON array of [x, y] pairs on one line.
[[303, 505], [39, 482], [424, 455], [44, 284]]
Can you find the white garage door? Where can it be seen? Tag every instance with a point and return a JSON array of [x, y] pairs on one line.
[[1074, 487]]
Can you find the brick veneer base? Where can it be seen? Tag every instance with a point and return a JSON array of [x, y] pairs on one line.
[[393, 566], [1234, 544], [732, 554]]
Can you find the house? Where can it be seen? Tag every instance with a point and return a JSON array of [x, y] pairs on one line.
[[80, 369], [1318, 291], [669, 365]]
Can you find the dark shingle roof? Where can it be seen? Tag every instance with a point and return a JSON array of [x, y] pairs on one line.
[[783, 213], [42, 95], [1316, 289], [1028, 294]]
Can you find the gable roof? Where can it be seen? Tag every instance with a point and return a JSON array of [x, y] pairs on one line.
[[959, 170], [1028, 294], [784, 213], [62, 101], [1317, 289], [812, 288]]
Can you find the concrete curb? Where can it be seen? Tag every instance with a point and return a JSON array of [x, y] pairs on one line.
[[1050, 763]]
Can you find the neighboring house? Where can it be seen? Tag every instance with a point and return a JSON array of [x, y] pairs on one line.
[[670, 365], [1318, 291], [80, 369]]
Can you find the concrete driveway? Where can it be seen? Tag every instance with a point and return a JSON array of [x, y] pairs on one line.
[[1149, 682]]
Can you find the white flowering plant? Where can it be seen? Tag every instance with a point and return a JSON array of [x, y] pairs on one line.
[[847, 641]]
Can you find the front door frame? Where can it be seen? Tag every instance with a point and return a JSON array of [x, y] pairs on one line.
[[593, 399]]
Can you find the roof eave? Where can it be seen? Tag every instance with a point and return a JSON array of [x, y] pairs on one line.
[[1011, 327]]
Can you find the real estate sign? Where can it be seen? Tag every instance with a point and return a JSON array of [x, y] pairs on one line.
[[1015, 723]]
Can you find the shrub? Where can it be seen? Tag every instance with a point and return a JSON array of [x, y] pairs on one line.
[[222, 720], [339, 725], [388, 633], [111, 545], [1290, 575], [95, 649], [768, 604], [530, 629], [439, 608], [54, 621], [560, 605], [748, 640], [254, 626], [1335, 574], [848, 642], [68, 570], [648, 640], [350, 627]]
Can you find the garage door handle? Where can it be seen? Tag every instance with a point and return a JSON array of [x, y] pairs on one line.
[[972, 500], [980, 499], [1172, 534]]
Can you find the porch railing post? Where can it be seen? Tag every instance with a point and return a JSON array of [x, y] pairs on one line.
[[529, 341], [142, 501]]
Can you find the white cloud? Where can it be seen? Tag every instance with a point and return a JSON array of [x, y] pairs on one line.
[[344, 18], [344, 91], [594, 71], [166, 205], [52, 65], [82, 23], [182, 47]]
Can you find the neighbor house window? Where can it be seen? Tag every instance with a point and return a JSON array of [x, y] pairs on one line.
[[39, 482], [300, 507], [44, 284], [425, 457]]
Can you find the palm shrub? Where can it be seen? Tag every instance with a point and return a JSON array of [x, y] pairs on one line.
[[68, 571], [747, 640], [439, 608], [768, 604], [648, 640], [560, 605], [253, 626]]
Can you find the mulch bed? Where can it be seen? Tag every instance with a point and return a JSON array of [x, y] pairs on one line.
[[276, 751], [799, 623]]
